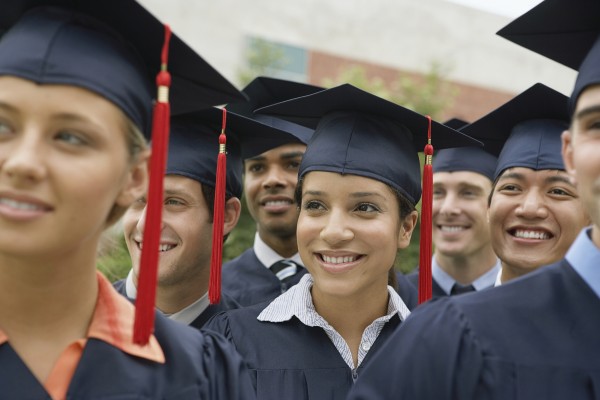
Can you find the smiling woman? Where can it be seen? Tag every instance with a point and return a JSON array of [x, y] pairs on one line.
[[357, 208], [75, 95]]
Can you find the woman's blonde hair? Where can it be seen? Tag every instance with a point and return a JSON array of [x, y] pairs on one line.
[[136, 143]]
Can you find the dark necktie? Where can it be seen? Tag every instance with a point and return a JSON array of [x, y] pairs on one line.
[[460, 289], [284, 270]]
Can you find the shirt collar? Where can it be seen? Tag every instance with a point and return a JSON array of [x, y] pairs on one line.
[[191, 312], [584, 257], [185, 316], [498, 278], [446, 281], [297, 301], [441, 277], [267, 256], [130, 288], [489, 278], [112, 322]]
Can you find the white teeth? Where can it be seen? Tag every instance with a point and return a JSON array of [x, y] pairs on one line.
[[531, 234], [446, 228], [165, 247], [278, 203], [338, 260], [20, 205], [161, 248]]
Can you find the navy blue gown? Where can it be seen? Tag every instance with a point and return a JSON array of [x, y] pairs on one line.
[[247, 281], [407, 291], [537, 337], [226, 303], [289, 360], [198, 366]]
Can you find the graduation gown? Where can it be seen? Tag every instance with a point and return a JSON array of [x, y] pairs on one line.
[[226, 303], [436, 289], [249, 282], [537, 337], [289, 360], [408, 293], [198, 366]]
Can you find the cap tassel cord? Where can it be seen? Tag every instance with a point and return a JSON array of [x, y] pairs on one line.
[[146, 297], [214, 287], [426, 223]]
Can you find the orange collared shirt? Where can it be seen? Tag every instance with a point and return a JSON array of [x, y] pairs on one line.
[[112, 323]]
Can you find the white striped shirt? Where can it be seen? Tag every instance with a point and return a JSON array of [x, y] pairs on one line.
[[297, 301]]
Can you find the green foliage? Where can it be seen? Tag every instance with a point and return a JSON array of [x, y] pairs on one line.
[[262, 57], [428, 95], [242, 237], [113, 257]]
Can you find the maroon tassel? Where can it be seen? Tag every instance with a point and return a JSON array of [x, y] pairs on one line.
[[214, 287], [146, 293], [426, 223]]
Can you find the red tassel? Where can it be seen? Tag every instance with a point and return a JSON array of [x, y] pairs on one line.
[[214, 287], [146, 297], [426, 204]]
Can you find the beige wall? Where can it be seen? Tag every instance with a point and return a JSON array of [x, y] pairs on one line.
[[390, 35]]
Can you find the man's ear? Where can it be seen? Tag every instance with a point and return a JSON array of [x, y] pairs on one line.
[[567, 155], [233, 210]]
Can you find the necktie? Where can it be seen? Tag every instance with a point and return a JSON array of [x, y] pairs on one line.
[[460, 289], [284, 270]]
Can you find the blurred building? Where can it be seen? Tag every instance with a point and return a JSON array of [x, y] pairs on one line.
[[319, 38]]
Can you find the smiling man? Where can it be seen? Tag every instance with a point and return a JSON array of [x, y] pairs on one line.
[[534, 210], [464, 259], [272, 265], [187, 218]]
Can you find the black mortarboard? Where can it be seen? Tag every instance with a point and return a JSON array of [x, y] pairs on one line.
[[525, 131], [562, 30], [264, 91], [362, 134], [469, 158], [111, 47], [566, 31], [194, 146]]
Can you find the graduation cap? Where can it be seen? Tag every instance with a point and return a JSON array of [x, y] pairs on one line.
[[468, 158], [562, 30], [264, 91], [194, 145], [118, 50], [525, 131], [111, 47], [361, 134], [566, 31]]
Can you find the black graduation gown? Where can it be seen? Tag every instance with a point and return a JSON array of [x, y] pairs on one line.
[[249, 282], [436, 289], [537, 337], [289, 360], [408, 293], [226, 303], [198, 366]]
